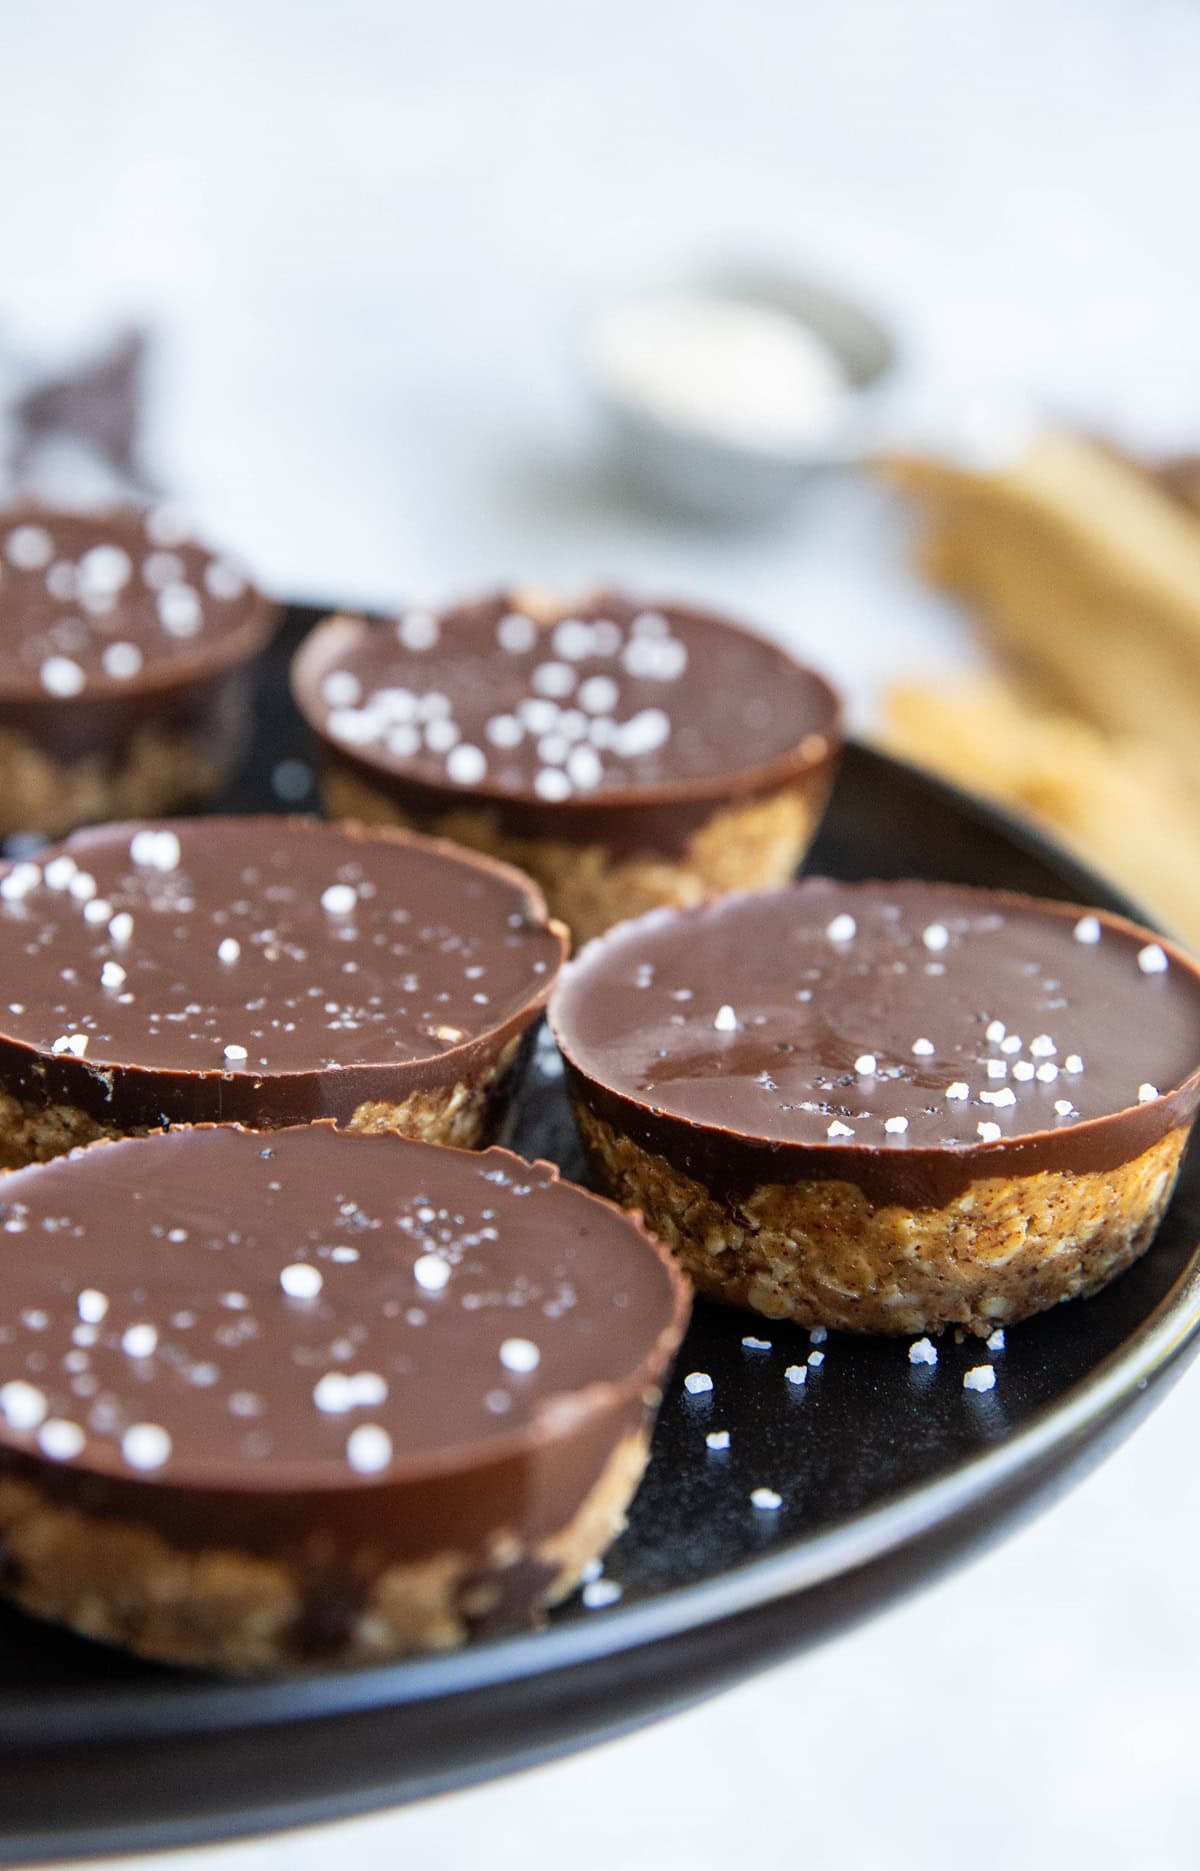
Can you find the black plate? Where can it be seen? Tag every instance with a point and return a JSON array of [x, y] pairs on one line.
[[888, 1473]]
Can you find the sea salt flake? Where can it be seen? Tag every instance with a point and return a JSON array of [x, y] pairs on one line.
[[418, 630], [797, 1374], [923, 1048], [1087, 930], [431, 1272], [697, 1383], [112, 974], [995, 1031], [552, 784], [339, 899], [838, 1129], [1043, 1047], [121, 927], [995, 1340], [155, 850], [24, 1405], [958, 1090], [1147, 1093], [466, 765], [301, 1281], [979, 1377], [1073, 1063], [935, 937], [121, 660], [765, 1500], [229, 949], [725, 1020], [895, 1126], [139, 1341], [1024, 1070], [865, 1064], [922, 1351], [756, 1344], [1047, 1072], [989, 1133], [1063, 1107], [60, 1439], [368, 1449], [717, 1439], [61, 676], [843, 928], [600, 1592], [520, 1354], [1152, 959], [516, 633]]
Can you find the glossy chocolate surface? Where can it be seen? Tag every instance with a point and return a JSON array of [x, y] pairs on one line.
[[909, 1037], [321, 1344], [262, 970], [616, 722], [107, 617]]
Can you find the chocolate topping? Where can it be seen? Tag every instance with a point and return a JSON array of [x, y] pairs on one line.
[[909, 1037], [612, 721], [319, 1345], [104, 616], [264, 970]]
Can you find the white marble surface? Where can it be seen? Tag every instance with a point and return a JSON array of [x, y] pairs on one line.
[[366, 234]]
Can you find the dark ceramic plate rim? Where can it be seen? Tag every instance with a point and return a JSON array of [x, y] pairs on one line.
[[804, 1562]]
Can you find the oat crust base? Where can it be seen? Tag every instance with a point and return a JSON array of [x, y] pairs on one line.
[[233, 1611], [820, 1253], [155, 772], [745, 847], [462, 1114]]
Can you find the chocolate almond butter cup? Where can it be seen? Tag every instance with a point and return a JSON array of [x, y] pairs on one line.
[[125, 651], [887, 1107], [627, 755], [274, 1402], [262, 971]]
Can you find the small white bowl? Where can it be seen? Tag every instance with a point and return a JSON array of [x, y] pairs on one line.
[[704, 457]]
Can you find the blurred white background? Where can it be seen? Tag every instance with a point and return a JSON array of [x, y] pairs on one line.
[[364, 236]]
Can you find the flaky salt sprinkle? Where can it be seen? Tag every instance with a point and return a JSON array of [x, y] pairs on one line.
[[520, 1355], [838, 1129], [1147, 1093], [600, 1592], [843, 928], [797, 1374], [697, 1383], [756, 1344], [957, 1090], [717, 1439], [431, 1272], [988, 1133], [995, 1340], [1087, 930], [866, 1064], [922, 1351], [339, 899], [155, 850], [895, 1126], [301, 1281], [1152, 959], [979, 1377], [995, 1031], [74, 1043], [935, 937], [235, 1053], [924, 1048], [725, 1020], [765, 1500]]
